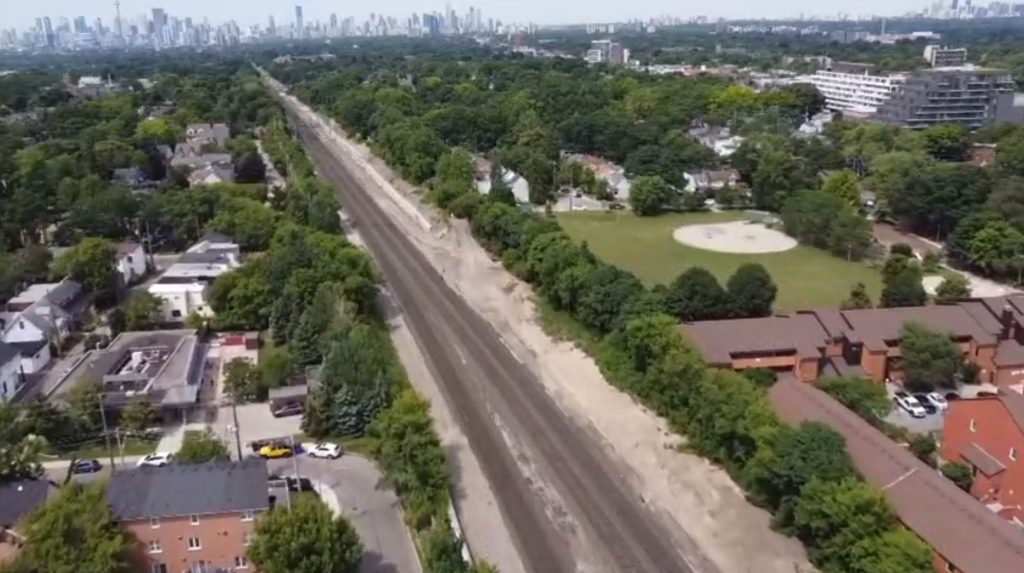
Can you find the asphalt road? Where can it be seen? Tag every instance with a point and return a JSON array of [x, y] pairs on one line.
[[484, 381], [373, 511]]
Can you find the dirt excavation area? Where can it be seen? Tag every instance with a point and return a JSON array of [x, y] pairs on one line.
[[700, 498]]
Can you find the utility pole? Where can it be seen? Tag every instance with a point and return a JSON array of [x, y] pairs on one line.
[[238, 438], [106, 432]]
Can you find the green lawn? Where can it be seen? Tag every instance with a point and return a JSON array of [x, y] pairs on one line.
[[806, 277]]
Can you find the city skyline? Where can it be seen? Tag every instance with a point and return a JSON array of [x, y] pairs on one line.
[[23, 16]]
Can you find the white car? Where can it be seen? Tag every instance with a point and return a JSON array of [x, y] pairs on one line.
[[910, 404], [157, 459], [938, 400], [323, 450]]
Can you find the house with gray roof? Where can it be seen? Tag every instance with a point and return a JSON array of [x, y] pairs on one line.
[[204, 133], [11, 378], [191, 517], [18, 499], [44, 313], [211, 175]]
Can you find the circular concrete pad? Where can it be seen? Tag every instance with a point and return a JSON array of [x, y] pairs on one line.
[[742, 237]]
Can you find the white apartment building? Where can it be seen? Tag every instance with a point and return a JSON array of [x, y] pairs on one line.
[[184, 286], [853, 88]]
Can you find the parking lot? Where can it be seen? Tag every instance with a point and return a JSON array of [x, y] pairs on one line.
[[255, 422]]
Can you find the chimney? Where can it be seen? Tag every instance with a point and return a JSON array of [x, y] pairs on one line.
[[1006, 321]]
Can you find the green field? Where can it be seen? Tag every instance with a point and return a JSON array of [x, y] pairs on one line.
[[806, 277]]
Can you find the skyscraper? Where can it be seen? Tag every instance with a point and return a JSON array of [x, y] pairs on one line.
[[299, 26]]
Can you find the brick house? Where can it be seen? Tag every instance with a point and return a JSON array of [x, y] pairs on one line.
[[190, 518], [987, 434], [866, 342], [965, 536]]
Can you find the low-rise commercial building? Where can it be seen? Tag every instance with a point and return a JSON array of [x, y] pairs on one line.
[[814, 343], [987, 434], [852, 87], [190, 517]]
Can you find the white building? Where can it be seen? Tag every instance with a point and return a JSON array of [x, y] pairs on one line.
[[184, 287], [517, 183], [10, 372], [130, 262], [853, 88]]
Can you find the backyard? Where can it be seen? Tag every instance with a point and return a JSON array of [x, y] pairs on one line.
[[806, 277]]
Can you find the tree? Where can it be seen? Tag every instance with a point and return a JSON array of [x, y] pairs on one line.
[[250, 169], [866, 398], [142, 311], [696, 295], [811, 451], [842, 184], [241, 380], [776, 175], [156, 130], [84, 403], [901, 280], [74, 533], [858, 298], [929, 358], [305, 539], [946, 142], [200, 447], [834, 516], [138, 416], [90, 262], [998, 248], [849, 235], [19, 449], [500, 191], [649, 195], [895, 551], [751, 291], [923, 447], [959, 473], [952, 288]]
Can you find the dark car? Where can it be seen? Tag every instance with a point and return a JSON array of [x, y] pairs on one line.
[[293, 409], [616, 206], [984, 394], [926, 403], [85, 467], [952, 396]]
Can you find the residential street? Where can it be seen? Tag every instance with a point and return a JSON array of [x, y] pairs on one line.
[[352, 488]]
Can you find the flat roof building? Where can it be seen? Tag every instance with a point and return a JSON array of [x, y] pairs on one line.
[[963, 95]]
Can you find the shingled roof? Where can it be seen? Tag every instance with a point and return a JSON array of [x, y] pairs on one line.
[[954, 524], [189, 489]]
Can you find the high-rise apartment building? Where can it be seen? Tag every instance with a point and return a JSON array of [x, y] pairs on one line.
[[942, 56], [299, 25], [850, 87], [968, 96]]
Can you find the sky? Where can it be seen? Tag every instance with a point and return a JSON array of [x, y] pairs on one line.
[[22, 14]]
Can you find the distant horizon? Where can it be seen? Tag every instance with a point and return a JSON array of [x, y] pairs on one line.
[[22, 15]]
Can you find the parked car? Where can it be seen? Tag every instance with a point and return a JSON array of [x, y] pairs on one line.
[[292, 409], [323, 450], [616, 206], [157, 459], [938, 400], [950, 396], [910, 405], [986, 394], [275, 451], [291, 482], [85, 467], [926, 403]]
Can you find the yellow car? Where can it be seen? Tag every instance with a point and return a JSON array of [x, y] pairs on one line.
[[272, 451]]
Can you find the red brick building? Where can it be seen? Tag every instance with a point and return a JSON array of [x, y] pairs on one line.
[[815, 343], [191, 518], [965, 536], [987, 433]]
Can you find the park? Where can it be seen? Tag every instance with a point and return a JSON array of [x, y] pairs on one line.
[[657, 249]]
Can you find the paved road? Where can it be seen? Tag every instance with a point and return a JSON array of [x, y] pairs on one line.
[[373, 511], [479, 376]]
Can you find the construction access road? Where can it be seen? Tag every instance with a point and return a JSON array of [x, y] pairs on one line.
[[573, 511]]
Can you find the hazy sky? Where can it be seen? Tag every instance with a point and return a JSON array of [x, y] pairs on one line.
[[22, 13]]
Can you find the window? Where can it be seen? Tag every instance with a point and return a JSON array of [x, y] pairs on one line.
[[974, 427], [154, 522], [247, 515], [176, 313], [194, 544], [193, 519], [199, 566], [1013, 454], [154, 547], [247, 539], [241, 563], [158, 568]]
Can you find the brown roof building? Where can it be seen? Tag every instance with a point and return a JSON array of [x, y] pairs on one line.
[[987, 434], [965, 535], [866, 342]]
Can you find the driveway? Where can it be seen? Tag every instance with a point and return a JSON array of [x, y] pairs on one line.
[[255, 422], [350, 484]]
